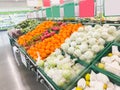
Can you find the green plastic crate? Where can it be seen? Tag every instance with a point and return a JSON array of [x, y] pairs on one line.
[[65, 87], [105, 53], [113, 80], [94, 59]]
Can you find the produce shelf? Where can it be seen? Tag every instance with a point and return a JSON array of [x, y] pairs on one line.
[[92, 68], [103, 54], [43, 78], [51, 82]]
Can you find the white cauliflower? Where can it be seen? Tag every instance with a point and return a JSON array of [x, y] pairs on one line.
[[95, 48]]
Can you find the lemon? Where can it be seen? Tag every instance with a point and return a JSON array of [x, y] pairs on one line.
[[105, 86], [110, 54], [78, 88], [87, 77], [88, 83], [101, 65]]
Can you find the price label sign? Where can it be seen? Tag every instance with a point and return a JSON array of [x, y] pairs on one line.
[[112, 7], [61, 12], [86, 8], [76, 10], [23, 59], [34, 3], [44, 13]]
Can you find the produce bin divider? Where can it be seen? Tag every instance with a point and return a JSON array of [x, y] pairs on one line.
[[105, 52], [116, 79], [88, 70]]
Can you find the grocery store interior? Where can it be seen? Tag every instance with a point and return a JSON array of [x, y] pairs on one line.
[[59, 45]]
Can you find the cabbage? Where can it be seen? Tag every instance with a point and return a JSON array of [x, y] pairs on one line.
[[73, 44], [67, 74], [71, 50], [81, 34], [67, 66], [110, 38], [97, 26], [111, 29], [40, 63], [77, 52], [87, 28], [60, 57], [65, 46], [95, 48], [79, 40], [101, 41], [80, 29], [73, 36], [57, 51], [101, 47], [96, 35], [104, 35], [83, 47], [92, 41], [106, 26], [61, 83], [52, 63], [82, 57], [88, 55], [67, 40]]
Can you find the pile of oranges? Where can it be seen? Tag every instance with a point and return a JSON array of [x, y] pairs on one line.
[[25, 39], [46, 47]]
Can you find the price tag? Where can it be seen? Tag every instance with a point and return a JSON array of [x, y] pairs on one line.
[[33, 3], [16, 51], [112, 7], [44, 13], [23, 59], [77, 10], [61, 12]]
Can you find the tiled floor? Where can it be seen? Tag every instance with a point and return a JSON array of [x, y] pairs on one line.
[[12, 76]]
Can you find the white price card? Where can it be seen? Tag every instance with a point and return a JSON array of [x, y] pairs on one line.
[[111, 7], [77, 11], [61, 12], [44, 13], [23, 59], [34, 3]]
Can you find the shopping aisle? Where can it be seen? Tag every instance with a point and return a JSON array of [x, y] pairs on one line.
[[12, 76]]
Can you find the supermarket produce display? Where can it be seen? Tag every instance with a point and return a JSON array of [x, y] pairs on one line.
[[62, 53], [49, 45]]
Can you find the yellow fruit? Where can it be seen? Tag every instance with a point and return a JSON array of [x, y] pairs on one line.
[[88, 83], [101, 65], [87, 77], [78, 88], [110, 54], [105, 86]]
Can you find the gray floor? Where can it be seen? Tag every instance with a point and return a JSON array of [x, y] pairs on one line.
[[12, 76]]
